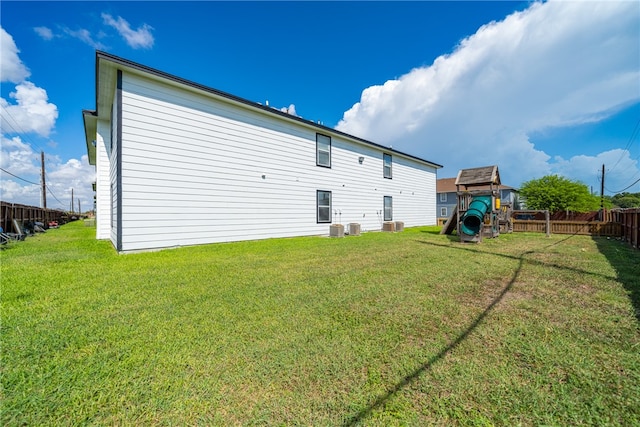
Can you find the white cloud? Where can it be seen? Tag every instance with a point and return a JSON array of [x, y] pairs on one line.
[[76, 175], [626, 169], [15, 191], [18, 157], [291, 109], [11, 67], [140, 38], [44, 32], [32, 113], [21, 160], [85, 36], [554, 64]]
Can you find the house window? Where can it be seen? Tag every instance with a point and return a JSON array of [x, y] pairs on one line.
[[323, 204], [443, 211], [388, 208], [323, 150], [386, 160], [443, 197]]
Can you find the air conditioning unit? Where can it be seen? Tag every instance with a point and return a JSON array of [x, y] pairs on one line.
[[399, 226], [336, 230], [389, 226], [354, 229]]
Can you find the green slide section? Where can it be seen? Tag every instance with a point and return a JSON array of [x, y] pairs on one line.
[[472, 219]]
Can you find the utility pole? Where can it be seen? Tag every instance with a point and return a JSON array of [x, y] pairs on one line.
[[44, 185], [79, 208], [602, 195], [72, 200]]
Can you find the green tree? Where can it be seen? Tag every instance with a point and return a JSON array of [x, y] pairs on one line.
[[626, 200], [557, 193]]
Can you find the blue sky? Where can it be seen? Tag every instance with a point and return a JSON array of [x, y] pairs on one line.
[[536, 88]]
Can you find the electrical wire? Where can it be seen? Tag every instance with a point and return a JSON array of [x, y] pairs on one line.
[[633, 136], [34, 183], [626, 188], [16, 176], [54, 196], [18, 130]]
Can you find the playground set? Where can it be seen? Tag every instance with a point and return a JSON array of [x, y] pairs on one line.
[[479, 213]]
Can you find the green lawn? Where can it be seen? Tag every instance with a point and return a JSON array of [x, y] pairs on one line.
[[410, 328]]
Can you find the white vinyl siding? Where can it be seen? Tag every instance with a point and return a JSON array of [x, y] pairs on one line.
[[199, 169], [114, 147], [103, 187]]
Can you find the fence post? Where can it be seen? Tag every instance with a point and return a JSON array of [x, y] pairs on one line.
[[548, 223]]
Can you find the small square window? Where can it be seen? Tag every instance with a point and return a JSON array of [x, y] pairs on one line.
[[386, 160], [443, 197], [323, 205], [388, 208], [443, 211], [323, 150]]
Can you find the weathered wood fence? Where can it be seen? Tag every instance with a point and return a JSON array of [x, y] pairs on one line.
[[618, 223], [629, 220], [593, 228], [23, 214]]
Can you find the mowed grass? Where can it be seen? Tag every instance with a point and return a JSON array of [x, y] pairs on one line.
[[384, 329]]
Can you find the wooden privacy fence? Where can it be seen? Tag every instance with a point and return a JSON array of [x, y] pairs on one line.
[[23, 214], [592, 228], [629, 220]]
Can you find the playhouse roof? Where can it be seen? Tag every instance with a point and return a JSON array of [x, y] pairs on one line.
[[448, 185], [486, 175]]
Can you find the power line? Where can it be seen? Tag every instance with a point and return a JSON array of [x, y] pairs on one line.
[[626, 188], [34, 183], [17, 129], [633, 136], [20, 131], [54, 196], [16, 176]]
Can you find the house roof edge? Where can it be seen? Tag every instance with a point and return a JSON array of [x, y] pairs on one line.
[[101, 55]]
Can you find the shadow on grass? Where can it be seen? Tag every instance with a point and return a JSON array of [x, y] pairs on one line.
[[427, 365], [626, 261], [470, 248], [627, 268], [432, 230], [436, 232]]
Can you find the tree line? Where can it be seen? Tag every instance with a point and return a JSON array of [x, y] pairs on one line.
[[556, 193]]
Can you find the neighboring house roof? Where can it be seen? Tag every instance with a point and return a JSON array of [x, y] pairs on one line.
[[107, 64], [448, 185]]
